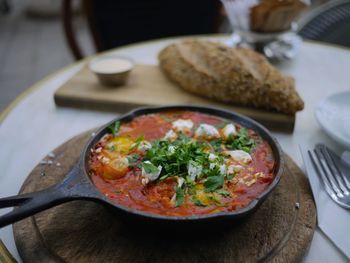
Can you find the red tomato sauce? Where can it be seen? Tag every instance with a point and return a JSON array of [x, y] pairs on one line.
[[156, 197]]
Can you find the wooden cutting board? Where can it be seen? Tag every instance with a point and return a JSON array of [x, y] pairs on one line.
[[147, 85], [81, 231]]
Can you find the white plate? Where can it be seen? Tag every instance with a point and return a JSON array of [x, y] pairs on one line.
[[333, 114]]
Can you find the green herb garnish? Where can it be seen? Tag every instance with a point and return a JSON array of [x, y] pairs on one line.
[[176, 162], [163, 177], [216, 144], [111, 148], [133, 159], [137, 142], [213, 182], [229, 176], [189, 158], [223, 193], [241, 141], [198, 202], [180, 196], [185, 152], [149, 168], [215, 198], [114, 128]]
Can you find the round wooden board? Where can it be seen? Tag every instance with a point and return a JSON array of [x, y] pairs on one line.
[[83, 231]]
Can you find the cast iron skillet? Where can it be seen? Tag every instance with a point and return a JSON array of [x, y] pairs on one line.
[[77, 185]]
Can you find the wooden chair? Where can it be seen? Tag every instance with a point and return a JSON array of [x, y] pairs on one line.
[[115, 23], [5, 7]]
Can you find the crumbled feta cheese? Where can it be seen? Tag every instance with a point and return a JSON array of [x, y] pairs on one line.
[[206, 131], [105, 137], [147, 177], [98, 150], [234, 168], [212, 157], [239, 156], [170, 135], [182, 125], [144, 146], [228, 130], [222, 169], [180, 181], [171, 149], [194, 170]]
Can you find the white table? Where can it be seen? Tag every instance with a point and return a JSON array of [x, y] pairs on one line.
[[33, 125]]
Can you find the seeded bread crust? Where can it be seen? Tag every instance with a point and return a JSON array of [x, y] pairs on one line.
[[234, 75]]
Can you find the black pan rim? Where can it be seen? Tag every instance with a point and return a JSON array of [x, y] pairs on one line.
[[236, 117]]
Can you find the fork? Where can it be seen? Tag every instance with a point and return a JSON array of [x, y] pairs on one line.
[[335, 182]]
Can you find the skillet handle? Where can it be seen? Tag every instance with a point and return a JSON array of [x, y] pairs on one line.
[[75, 186]]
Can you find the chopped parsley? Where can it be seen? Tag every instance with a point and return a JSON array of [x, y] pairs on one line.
[[241, 141], [185, 153], [190, 189], [180, 196], [189, 158], [114, 128], [198, 202], [149, 168], [223, 193], [216, 199], [133, 159], [229, 176], [216, 144], [213, 182], [137, 142], [175, 162], [111, 148]]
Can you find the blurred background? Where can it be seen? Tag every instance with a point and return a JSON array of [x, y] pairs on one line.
[[38, 37]]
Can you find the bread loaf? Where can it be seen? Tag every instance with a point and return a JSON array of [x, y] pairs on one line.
[[234, 75]]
